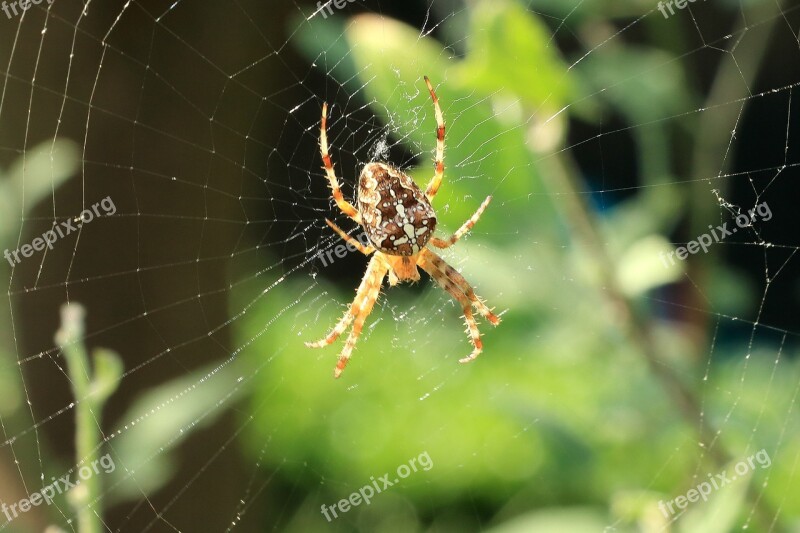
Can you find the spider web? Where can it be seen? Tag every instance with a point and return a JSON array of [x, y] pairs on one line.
[[200, 121]]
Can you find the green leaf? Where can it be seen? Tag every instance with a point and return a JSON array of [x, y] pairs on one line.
[[163, 417], [719, 513], [383, 61], [644, 84], [644, 266], [31, 178], [108, 370], [485, 153], [320, 40], [574, 520], [43, 169], [513, 51]]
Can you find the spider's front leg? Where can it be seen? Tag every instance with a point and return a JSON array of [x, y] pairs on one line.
[[346, 207], [468, 225], [366, 250], [436, 181]]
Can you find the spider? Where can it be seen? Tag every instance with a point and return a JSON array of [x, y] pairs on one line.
[[399, 221]]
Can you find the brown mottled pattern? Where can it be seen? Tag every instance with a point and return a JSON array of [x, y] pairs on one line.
[[397, 216]]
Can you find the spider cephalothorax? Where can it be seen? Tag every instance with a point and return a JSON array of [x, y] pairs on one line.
[[399, 220]]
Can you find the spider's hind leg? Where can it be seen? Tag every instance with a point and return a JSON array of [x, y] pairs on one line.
[[359, 310], [456, 292], [370, 289], [451, 274], [355, 306]]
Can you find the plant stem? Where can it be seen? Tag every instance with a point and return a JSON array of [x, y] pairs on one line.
[[577, 213], [87, 413]]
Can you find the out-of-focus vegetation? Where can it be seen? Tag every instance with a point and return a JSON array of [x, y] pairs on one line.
[[561, 424], [31, 180], [26, 183], [571, 419]]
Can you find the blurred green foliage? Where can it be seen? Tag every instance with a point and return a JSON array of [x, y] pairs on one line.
[[24, 185], [29, 181], [559, 425]]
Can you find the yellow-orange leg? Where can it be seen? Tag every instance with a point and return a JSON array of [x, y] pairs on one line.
[[366, 250], [460, 297], [373, 279], [375, 269], [346, 207], [460, 281], [433, 186], [468, 225]]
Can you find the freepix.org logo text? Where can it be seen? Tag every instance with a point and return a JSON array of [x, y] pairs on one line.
[[59, 486], [59, 231], [376, 486], [23, 5]]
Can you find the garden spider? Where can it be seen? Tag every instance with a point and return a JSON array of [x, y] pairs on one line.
[[399, 221]]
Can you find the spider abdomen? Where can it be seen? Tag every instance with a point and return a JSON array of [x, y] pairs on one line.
[[396, 214]]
